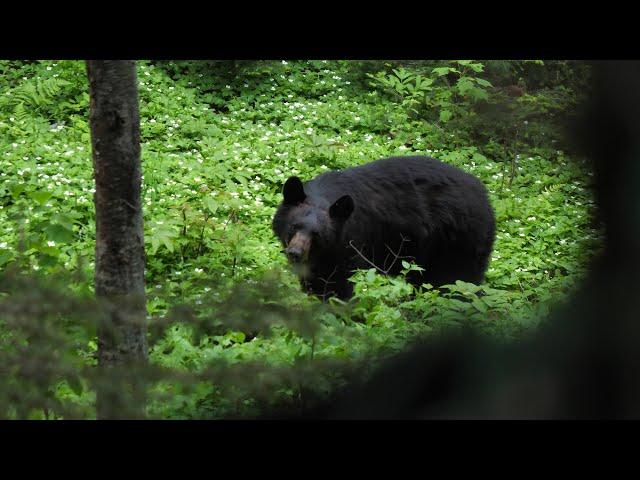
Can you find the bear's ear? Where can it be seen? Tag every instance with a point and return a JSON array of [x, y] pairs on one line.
[[293, 191], [342, 209]]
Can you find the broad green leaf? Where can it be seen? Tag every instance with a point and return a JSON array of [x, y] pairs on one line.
[[478, 94], [483, 82], [75, 385], [445, 115], [40, 196], [478, 157], [479, 304], [441, 71], [5, 256], [211, 204], [17, 189], [63, 220], [167, 243], [476, 67], [464, 84], [59, 233]]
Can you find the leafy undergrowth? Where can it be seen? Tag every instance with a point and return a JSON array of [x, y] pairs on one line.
[[218, 141]]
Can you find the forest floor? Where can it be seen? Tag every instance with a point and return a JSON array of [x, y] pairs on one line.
[[215, 153]]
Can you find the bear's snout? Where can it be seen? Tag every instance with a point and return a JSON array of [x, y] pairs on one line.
[[298, 248], [294, 254]]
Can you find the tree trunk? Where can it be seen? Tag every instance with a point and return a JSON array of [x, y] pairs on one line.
[[119, 264]]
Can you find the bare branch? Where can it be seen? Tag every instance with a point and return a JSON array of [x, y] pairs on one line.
[[365, 258], [396, 256], [327, 282]]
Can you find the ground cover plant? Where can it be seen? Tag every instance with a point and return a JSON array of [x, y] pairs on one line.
[[218, 141]]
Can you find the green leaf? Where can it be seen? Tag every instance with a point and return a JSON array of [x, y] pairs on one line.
[[441, 71], [155, 244], [75, 385], [40, 196], [483, 82], [464, 85], [479, 304], [478, 94], [476, 67], [445, 115], [371, 275], [47, 260], [238, 337], [401, 73], [167, 243], [63, 220], [59, 233], [211, 204], [16, 190], [426, 82], [5, 256], [478, 157]]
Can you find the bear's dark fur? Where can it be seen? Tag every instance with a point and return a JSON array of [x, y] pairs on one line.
[[414, 208]]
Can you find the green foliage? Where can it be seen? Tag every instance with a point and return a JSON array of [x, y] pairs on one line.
[[445, 90], [230, 331]]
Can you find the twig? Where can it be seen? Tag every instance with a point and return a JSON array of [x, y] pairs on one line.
[[365, 258], [396, 255], [327, 282]]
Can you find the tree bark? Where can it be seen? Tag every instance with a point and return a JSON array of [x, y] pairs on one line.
[[120, 258]]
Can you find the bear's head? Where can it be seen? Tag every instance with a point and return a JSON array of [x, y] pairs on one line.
[[309, 227]]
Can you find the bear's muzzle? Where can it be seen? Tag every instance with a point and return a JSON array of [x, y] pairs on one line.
[[298, 248]]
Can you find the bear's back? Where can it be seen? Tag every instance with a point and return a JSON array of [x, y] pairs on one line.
[[406, 188]]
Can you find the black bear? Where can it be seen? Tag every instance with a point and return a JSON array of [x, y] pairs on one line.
[[376, 215]]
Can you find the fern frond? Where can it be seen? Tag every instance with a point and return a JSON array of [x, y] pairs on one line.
[[38, 93]]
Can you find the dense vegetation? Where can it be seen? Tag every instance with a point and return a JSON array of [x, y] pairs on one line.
[[218, 141]]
